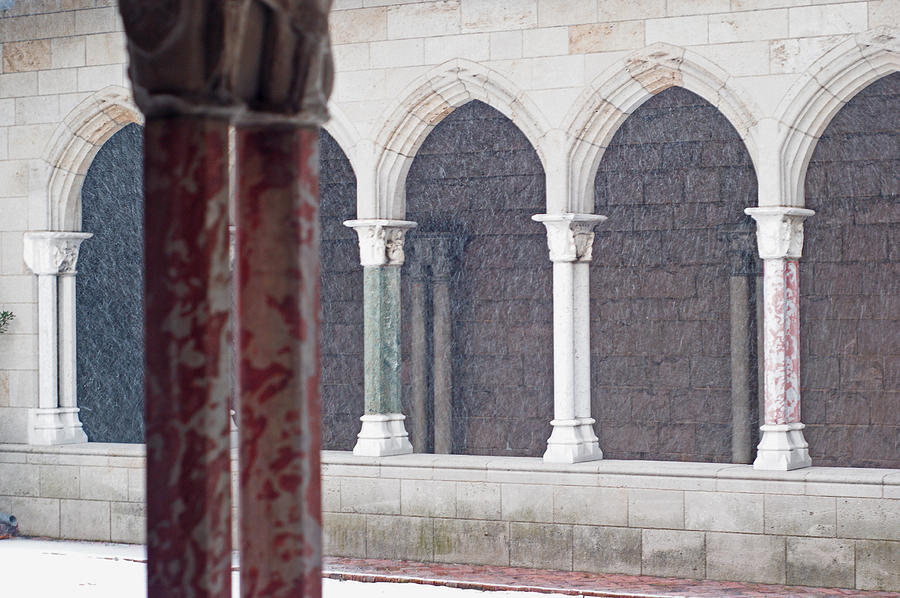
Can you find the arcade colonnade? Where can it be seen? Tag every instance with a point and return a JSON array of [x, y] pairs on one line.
[[780, 148]]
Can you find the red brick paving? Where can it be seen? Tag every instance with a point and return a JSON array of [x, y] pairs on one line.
[[481, 577]]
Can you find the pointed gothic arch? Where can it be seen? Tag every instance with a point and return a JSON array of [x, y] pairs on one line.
[[826, 87], [75, 143], [621, 89], [423, 105], [344, 133]]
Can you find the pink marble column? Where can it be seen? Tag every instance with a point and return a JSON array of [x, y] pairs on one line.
[[780, 243], [187, 295], [278, 360]]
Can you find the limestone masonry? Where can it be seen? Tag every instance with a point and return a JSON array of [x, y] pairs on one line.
[[651, 241]]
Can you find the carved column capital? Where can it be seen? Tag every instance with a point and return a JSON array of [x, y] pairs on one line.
[[779, 231], [570, 237], [280, 68], [380, 240], [177, 54], [264, 60], [49, 252]]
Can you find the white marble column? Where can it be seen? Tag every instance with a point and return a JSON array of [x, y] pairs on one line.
[[383, 432], [52, 257], [570, 238], [780, 241]]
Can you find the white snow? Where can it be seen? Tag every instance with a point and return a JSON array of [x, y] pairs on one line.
[[59, 569]]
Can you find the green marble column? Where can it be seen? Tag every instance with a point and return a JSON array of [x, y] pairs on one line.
[[383, 431], [381, 329]]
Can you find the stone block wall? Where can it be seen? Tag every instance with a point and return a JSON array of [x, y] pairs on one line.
[[110, 291], [674, 177], [850, 285], [817, 527], [82, 492], [478, 177], [342, 310]]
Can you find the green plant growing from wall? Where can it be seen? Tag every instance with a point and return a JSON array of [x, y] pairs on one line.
[[5, 318]]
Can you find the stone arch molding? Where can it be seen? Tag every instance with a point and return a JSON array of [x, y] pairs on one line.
[[344, 133], [424, 104], [623, 88], [826, 87], [75, 143]]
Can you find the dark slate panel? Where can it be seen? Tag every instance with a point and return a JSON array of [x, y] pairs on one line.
[[110, 291]]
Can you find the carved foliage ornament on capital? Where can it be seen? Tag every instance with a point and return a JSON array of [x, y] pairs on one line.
[[53, 252], [381, 241], [262, 60], [779, 231], [570, 237]]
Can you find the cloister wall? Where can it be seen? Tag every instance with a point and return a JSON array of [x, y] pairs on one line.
[[567, 74], [63, 91], [833, 527]]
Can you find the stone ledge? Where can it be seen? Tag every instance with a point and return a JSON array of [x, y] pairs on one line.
[[663, 475], [824, 481]]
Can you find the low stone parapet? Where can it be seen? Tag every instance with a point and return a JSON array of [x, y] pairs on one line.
[[817, 526]]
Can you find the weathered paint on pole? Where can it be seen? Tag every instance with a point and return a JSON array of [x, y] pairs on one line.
[[187, 294], [278, 361]]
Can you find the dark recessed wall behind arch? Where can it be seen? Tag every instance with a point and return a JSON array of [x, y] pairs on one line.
[[110, 296], [674, 175], [342, 319], [110, 292], [850, 285], [476, 175]]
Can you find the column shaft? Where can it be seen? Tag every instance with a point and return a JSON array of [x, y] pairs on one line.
[[563, 341], [740, 369], [760, 351], [381, 333], [47, 342], [782, 336], [68, 363], [443, 364], [582, 340], [278, 355], [186, 390], [419, 365]]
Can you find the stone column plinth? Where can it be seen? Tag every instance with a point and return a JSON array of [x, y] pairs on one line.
[[780, 241], [381, 254], [570, 238], [52, 257]]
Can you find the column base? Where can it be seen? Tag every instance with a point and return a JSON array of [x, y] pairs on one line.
[[382, 435], [55, 426], [572, 441], [782, 448]]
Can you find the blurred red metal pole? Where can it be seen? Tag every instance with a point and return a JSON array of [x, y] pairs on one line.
[[187, 294], [278, 360]]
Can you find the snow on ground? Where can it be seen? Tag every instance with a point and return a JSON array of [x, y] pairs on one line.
[[55, 569]]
